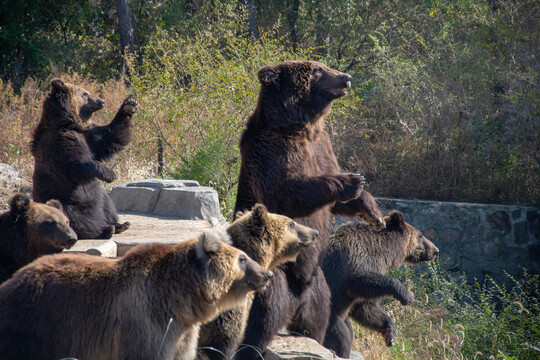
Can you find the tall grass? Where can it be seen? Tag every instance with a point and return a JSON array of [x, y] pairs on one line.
[[452, 319]]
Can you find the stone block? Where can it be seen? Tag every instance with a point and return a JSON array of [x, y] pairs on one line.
[[288, 347], [135, 199], [105, 248], [500, 221], [183, 199], [188, 203], [10, 178], [521, 234], [162, 184]]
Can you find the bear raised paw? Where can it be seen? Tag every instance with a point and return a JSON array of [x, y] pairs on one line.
[[289, 166], [69, 155], [355, 266]]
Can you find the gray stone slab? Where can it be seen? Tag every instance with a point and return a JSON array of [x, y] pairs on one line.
[[288, 347], [105, 248], [189, 203], [135, 199], [162, 184], [153, 229]]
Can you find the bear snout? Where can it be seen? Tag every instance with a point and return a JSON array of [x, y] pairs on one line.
[[71, 240], [347, 80]]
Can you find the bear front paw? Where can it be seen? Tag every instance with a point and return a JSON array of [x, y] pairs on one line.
[[108, 175], [389, 336], [407, 298], [352, 185], [130, 105]]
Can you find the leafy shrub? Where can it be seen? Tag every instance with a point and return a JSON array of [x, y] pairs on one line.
[[196, 94], [452, 319]]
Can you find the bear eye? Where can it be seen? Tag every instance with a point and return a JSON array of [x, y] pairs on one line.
[[242, 260], [85, 94], [292, 225]]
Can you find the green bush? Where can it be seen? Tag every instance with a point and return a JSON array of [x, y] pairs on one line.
[[196, 94], [497, 321]]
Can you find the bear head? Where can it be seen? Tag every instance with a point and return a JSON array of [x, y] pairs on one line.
[[270, 239], [80, 101], [295, 93], [418, 247], [230, 273], [47, 228], [37, 229]]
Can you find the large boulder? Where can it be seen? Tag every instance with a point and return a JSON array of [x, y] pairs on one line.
[[182, 199]]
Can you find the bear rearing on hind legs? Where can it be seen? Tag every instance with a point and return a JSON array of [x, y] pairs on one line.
[[289, 166], [69, 158]]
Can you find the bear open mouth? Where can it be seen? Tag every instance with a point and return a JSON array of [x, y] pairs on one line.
[[261, 285], [339, 91]]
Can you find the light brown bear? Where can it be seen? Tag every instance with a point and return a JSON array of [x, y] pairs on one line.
[[355, 267], [271, 240], [29, 230], [137, 307]]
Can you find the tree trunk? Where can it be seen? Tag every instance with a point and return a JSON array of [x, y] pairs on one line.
[[252, 20], [125, 29], [293, 18]]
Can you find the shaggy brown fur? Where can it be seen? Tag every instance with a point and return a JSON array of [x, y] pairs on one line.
[[269, 239], [288, 165], [87, 307], [355, 267], [68, 158], [29, 230]]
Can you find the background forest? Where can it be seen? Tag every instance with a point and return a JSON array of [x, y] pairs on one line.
[[444, 106], [445, 100]]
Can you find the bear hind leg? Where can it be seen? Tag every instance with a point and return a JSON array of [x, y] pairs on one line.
[[372, 316], [120, 228], [339, 336], [311, 318]]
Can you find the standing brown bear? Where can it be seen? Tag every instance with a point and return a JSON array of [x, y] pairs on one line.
[[68, 158], [355, 266], [288, 165], [146, 305], [29, 230]]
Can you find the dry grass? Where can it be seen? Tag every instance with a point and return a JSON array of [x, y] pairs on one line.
[[19, 115], [421, 334]]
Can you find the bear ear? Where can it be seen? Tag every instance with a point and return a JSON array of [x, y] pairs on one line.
[[57, 85], [19, 204], [239, 214], [268, 75], [395, 221], [210, 241], [260, 215], [55, 204]]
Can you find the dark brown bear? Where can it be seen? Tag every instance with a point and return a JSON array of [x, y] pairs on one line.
[[146, 305], [288, 165], [29, 230], [68, 158], [269, 239], [355, 266]]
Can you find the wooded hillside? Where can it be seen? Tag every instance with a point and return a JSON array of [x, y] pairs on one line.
[[444, 105]]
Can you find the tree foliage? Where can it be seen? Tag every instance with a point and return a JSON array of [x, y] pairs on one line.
[[444, 91]]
